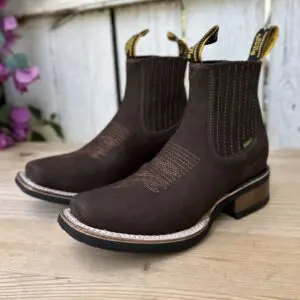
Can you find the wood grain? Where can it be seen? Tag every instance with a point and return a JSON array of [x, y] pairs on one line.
[[77, 72], [256, 258], [238, 20], [284, 82], [74, 49], [43, 7]]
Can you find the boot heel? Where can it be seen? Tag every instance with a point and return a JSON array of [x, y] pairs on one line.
[[249, 202]]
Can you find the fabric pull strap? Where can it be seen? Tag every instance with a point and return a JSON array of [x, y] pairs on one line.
[[263, 43], [195, 52], [130, 47], [182, 46]]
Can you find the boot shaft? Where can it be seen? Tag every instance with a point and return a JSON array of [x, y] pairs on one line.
[[225, 95], [223, 110], [155, 95], [233, 107]]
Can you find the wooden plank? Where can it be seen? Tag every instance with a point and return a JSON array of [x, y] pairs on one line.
[[159, 18], [41, 7], [83, 60], [36, 42], [284, 81], [55, 267], [78, 80], [39, 261]]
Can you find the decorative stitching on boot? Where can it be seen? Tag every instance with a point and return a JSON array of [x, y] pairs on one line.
[[239, 143], [210, 103], [232, 119], [172, 162], [72, 221], [253, 115], [36, 187], [243, 133], [218, 113], [232, 109], [225, 111], [112, 136], [163, 98]]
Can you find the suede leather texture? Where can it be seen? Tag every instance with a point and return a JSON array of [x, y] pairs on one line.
[[189, 175], [136, 134]]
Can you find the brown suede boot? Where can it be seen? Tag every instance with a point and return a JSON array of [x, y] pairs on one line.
[[216, 161], [150, 113]]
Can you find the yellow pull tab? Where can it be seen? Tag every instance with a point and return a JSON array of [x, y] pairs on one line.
[[264, 42], [182, 46], [131, 44], [195, 53]]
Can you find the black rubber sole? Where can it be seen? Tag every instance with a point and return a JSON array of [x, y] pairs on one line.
[[168, 247], [130, 247], [41, 195]]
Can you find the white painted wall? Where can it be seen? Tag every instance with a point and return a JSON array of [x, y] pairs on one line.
[[42, 7], [239, 21], [283, 90], [78, 80], [159, 18], [77, 62]]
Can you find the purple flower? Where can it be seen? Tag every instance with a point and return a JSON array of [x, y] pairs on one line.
[[4, 73], [10, 38], [20, 133], [20, 116], [10, 23], [20, 87], [5, 140], [22, 78], [3, 3]]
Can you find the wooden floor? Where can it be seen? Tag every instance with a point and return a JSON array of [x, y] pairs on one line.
[[257, 258]]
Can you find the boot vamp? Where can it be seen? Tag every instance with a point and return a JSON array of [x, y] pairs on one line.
[[94, 165], [72, 172], [154, 201]]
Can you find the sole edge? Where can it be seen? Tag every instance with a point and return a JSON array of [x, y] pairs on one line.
[[173, 246], [41, 195]]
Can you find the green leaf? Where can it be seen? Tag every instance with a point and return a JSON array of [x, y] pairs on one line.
[[37, 113], [57, 128], [10, 63], [5, 114], [22, 60], [2, 39], [16, 61], [37, 137]]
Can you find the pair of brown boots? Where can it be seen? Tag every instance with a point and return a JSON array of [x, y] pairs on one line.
[[163, 169]]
